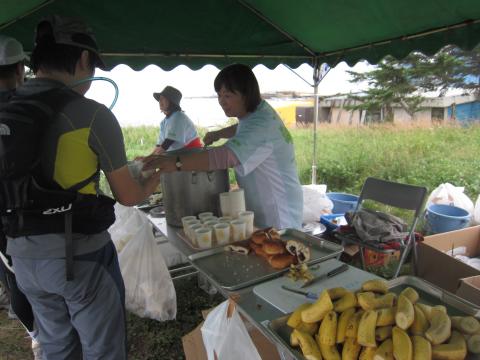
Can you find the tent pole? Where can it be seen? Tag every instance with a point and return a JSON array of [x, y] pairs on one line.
[[316, 81]]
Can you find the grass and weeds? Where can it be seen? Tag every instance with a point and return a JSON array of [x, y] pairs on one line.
[[147, 339]]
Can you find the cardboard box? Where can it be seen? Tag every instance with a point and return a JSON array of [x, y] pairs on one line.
[[469, 289], [195, 350], [439, 268]]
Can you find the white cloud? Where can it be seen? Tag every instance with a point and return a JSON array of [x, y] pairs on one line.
[[136, 106]]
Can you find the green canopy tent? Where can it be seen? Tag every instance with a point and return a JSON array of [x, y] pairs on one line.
[[268, 32]]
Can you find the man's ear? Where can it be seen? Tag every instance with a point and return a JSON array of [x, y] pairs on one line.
[[84, 61], [20, 69]]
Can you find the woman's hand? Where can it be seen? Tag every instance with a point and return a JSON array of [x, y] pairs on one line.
[[161, 162], [210, 137]]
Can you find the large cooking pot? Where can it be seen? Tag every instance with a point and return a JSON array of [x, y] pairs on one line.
[[191, 192]]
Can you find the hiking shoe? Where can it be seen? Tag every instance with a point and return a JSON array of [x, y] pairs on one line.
[[4, 299], [37, 350]]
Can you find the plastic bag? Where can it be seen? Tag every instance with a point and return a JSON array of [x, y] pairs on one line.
[[125, 227], [476, 212], [449, 194], [149, 290], [315, 202], [226, 336]]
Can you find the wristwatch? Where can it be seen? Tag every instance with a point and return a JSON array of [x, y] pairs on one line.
[[178, 164]]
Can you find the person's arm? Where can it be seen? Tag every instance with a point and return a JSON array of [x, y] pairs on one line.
[[126, 190], [165, 163], [225, 133]]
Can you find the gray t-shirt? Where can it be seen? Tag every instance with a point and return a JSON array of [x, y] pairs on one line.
[[84, 135]]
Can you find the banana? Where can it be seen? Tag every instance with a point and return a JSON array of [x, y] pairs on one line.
[[318, 309], [426, 309], [405, 313], [352, 325], [440, 327], [377, 285], [366, 329], [455, 349], [422, 349], [473, 344], [347, 301], [384, 351], [308, 345], [295, 319], [386, 316], [342, 324], [368, 300], [367, 353], [327, 334], [329, 352], [420, 322], [351, 349], [294, 339], [411, 294], [309, 328], [337, 292], [402, 345], [382, 333], [465, 324]]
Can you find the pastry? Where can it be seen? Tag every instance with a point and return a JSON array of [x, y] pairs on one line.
[[294, 246], [238, 249], [273, 247], [281, 261], [303, 254], [258, 237]]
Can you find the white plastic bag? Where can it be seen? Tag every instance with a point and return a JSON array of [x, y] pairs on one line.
[[449, 194], [127, 222], [315, 202], [149, 290], [476, 212], [226, 336]]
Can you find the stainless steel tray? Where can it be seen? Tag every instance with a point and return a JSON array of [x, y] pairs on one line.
[[279, 331], [233, 271]]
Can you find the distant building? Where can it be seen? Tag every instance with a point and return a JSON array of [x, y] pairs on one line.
[[295, 112]]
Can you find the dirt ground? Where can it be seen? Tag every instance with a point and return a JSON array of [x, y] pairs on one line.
[[147, 339]]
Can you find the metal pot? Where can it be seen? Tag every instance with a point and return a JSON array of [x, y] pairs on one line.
[[191, 192]]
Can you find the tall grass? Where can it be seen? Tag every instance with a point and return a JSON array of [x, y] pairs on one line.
[[346, 156]]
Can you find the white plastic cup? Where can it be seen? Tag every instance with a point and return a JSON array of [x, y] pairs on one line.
[[204, 238], [210, 223], [238, 230], [225, 204], [225, 219], [222, 233], [187, 218], [209, 218], [205, 214], [248, 217], [191, 231]]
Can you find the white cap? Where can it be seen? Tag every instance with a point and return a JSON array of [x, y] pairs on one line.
[[11, 51]]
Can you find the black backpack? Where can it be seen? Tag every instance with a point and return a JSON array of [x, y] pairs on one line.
[[30, 202]]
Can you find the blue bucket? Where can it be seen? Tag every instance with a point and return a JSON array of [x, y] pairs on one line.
[[342, 202], [442, 218]]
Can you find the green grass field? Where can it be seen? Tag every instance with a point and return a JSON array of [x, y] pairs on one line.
[[346, 156]]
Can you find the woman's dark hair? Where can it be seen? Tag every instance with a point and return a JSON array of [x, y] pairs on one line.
[[47, 55], [172, 107], [240, 78]]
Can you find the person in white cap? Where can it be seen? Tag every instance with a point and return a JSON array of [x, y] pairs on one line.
[[177, 131], [12, 66], [12, 73]]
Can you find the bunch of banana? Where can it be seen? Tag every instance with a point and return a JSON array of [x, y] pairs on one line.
[[375, 324]]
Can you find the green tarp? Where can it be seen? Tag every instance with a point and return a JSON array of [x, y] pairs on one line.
[[269, 32]]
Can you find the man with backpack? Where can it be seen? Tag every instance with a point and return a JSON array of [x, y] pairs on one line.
[[54, 214]]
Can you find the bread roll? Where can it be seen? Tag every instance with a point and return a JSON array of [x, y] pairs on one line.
[[259, 236], [273, 247], [281, 261]]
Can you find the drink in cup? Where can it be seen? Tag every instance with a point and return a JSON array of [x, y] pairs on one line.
[[222, 233]]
